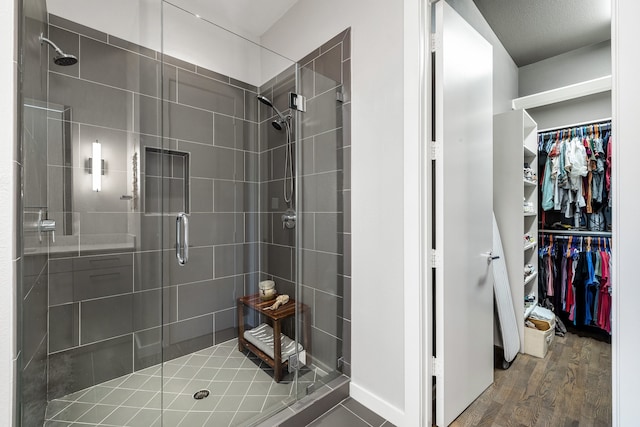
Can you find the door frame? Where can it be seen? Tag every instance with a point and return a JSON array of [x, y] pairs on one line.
[[418, 333]]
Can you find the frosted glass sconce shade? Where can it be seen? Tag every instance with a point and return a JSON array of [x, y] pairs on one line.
[[96, 166]]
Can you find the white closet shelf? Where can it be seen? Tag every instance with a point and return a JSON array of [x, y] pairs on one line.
[[530, 278], [565, 93], [528, 152], [528, 183], [530, 214], [530, 245]]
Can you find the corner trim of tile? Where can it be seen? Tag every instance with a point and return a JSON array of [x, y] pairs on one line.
[[312, 406]]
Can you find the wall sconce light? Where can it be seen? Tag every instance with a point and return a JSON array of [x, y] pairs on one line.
[[95, 166]]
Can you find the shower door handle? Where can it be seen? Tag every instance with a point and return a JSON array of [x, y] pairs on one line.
[[182, 238]]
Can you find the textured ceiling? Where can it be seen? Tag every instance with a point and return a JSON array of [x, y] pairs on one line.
[[533, 30], [249, 18]]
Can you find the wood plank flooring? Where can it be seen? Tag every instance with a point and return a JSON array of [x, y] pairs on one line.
[[569, 387]]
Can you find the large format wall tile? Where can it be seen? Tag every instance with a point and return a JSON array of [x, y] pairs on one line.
[[82, 367], [323, 205], [209, 94], [106, 318], [226, 325], [64, 325], [34, 325], [34, 177], [187, 123], [188, 336], [34, 388], [99, 282], [196, 299], [154, 307], [115, 105], [210, 162], [328, 68], [112, 66]]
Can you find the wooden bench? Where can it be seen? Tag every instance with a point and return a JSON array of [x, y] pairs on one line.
[[253, 302]]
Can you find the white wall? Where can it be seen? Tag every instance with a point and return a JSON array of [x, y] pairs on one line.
[[8, 73], [626, 152], [377, 179], [590, 108], [579, 65], [185, 37]]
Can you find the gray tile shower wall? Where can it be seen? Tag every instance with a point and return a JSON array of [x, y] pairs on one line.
[[325, 197], [109, 310]]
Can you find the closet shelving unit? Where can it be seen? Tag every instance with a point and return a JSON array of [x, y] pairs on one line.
[[515, 143]]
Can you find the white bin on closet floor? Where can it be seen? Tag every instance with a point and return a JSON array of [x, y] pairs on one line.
[[537, 342]]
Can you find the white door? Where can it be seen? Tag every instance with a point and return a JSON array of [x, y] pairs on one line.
[[463, 212]]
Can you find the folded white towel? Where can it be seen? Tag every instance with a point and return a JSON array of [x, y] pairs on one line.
[[262, 337]]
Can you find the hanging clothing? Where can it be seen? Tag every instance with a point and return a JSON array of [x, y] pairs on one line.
[[575, 178], [575, 278]]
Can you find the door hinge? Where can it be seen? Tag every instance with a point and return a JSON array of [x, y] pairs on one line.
[[297, 102], [436, 367], [435, 150], [434, 43], [297, 360], [435, 258]]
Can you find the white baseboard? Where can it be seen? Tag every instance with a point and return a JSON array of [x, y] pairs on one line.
[[376, 404]]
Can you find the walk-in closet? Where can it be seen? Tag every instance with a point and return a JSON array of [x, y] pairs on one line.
[[565, 232], [553, 138]]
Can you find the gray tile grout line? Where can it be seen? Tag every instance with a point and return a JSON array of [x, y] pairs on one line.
[[185, 363], [230, 382], [152, 373], [245, 394], [126, 399], [367, 423]]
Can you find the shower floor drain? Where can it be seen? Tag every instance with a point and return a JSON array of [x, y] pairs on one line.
[[201, 394]]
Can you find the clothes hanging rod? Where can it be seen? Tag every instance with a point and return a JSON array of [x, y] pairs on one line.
[[575, 125], [584, 233]]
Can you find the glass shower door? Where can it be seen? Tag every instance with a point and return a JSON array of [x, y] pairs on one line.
[[94, 305], [222, 182], [323, 195]]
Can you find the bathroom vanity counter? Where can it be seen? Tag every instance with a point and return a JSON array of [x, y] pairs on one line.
[[274, 317]]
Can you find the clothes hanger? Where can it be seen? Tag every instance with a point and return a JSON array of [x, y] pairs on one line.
[[569, 247]]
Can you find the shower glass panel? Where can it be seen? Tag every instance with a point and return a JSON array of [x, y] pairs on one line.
[[323, 205], [236, 158], [92, 260]]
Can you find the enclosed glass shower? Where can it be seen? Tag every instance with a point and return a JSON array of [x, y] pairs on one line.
[[159, 191]]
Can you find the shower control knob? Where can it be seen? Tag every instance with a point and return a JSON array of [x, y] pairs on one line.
[[288, 219]]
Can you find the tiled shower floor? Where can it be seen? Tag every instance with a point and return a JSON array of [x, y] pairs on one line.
[[241, 387]]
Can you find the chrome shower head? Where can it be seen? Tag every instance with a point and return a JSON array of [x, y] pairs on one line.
[[281, 117], [265, 101], [65, 60], [277, 124], [61, 58]]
